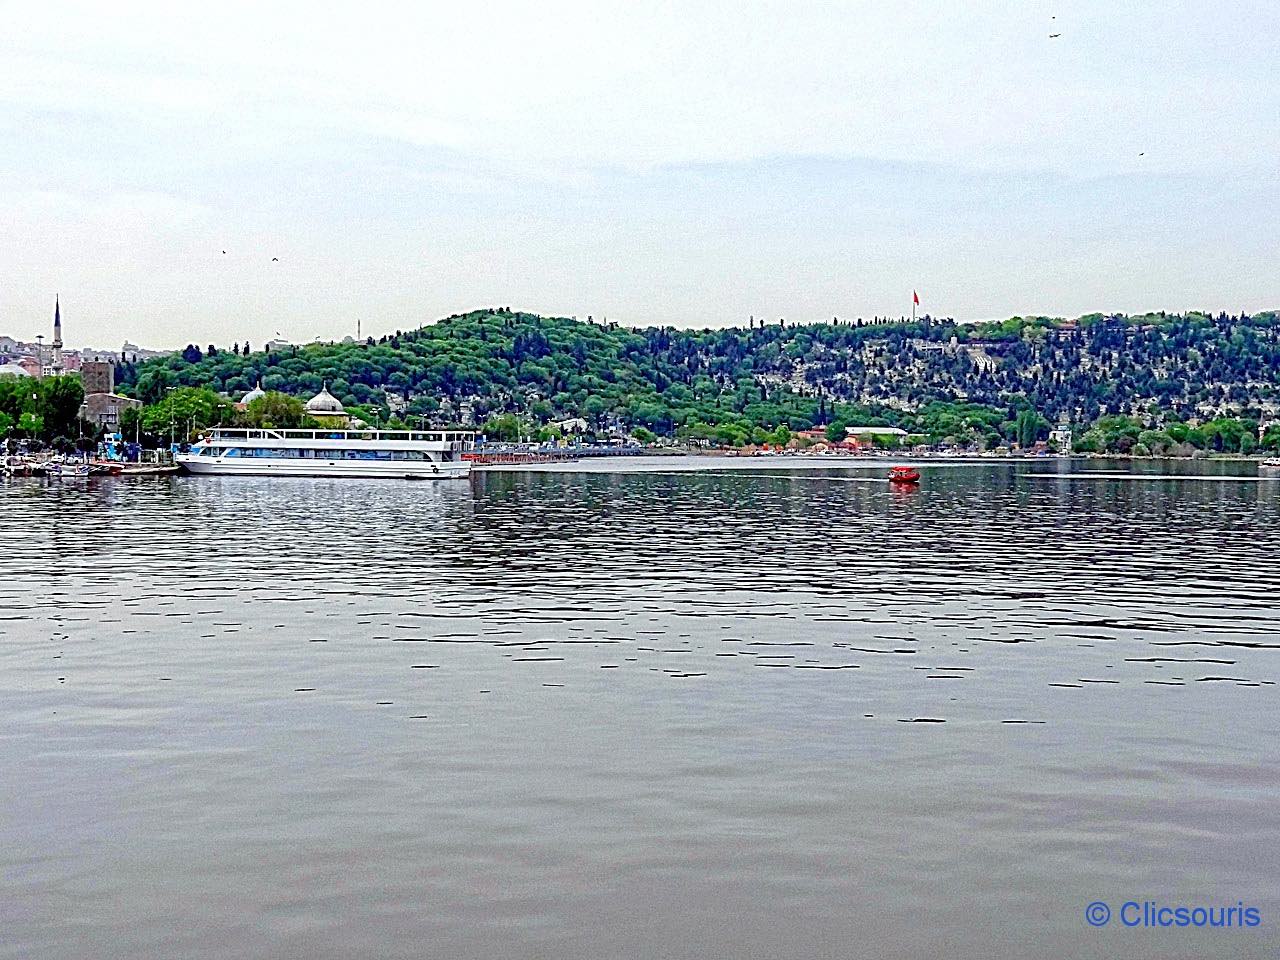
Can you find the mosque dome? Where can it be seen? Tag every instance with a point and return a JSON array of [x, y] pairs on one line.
[[325, 404], [253, 394], [12, 370]]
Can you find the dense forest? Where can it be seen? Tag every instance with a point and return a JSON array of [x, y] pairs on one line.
[[964, 383]]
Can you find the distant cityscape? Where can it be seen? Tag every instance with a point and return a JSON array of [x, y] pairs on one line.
[[102, 406], [39, 359]]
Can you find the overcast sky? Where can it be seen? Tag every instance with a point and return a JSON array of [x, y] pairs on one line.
[[684, 163]]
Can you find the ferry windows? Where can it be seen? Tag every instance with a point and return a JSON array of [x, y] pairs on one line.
[[367, 454], [312, 453]]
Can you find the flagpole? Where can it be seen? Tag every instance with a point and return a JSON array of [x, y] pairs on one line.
[[913, 306]]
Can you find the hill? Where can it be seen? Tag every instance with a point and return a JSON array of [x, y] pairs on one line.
[[965, 382]]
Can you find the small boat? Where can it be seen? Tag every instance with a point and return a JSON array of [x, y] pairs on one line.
[[1271, 463], [59, 470], [904, 475]]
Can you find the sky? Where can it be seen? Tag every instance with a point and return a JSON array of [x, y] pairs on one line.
[[688, 163]]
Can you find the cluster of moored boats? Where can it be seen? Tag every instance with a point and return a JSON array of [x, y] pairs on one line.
[[18, 466], [56, 467]]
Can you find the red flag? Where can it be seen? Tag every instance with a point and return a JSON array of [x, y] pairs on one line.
[[915, 298]]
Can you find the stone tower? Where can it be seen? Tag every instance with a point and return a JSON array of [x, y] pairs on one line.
[[98, 376]]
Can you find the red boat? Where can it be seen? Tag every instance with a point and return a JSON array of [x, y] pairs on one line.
[[904, 475]]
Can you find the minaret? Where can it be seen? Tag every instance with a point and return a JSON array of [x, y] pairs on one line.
[[57, 335]]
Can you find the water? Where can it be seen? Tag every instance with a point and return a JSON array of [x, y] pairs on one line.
[[636, 711]]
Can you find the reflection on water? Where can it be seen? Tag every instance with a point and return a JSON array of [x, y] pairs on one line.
[[659, 712]]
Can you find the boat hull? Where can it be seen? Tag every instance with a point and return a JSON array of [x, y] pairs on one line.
[[269, 467]]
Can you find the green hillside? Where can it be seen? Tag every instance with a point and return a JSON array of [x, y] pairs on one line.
[[984, 382]]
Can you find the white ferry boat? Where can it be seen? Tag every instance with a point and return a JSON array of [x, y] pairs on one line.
[[411, 454]]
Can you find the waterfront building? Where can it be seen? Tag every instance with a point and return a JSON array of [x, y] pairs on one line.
[[104, 409], [253, 395], [1061, 437], [13, 370], [859, 432], [102, 405]]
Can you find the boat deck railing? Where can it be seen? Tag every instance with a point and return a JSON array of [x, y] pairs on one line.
[[436, 436]]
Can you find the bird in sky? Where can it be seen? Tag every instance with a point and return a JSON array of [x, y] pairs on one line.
[[1054, 36], [224, 253], [1142, 153], [275, 259]]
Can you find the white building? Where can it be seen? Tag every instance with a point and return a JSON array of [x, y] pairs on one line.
[[1061, 437], [876, 432]]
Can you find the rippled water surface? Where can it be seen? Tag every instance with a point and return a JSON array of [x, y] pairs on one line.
[[637, 711]]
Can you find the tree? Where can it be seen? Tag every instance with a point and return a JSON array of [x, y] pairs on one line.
[[1029, 426], [506, 428], [186, 409], [32, 424], [1091, 441], [1156, 442], [59, 405], [274, 410], [153, 384]]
